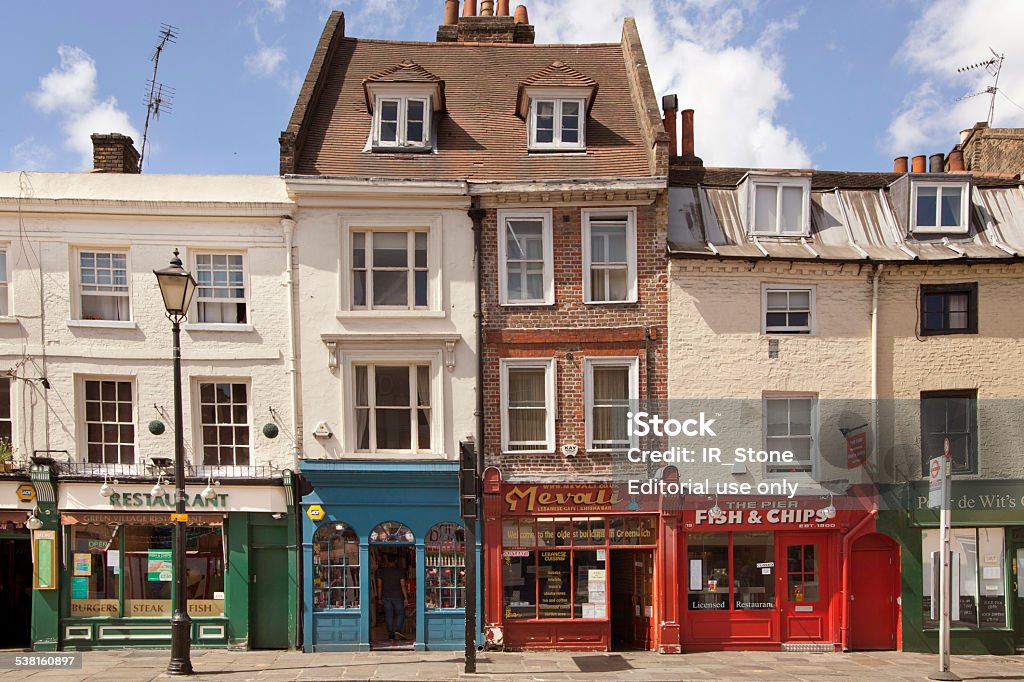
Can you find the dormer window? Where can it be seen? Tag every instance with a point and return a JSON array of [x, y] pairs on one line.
[[779, 206], [404, 101], [938, 207], [402, 122], [555, 102], [557, 124]]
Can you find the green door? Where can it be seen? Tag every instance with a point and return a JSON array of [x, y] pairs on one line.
[[1017, 598], [268, 596]]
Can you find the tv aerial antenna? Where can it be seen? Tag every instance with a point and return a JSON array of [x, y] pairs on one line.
[[993, 65], [159, 97]]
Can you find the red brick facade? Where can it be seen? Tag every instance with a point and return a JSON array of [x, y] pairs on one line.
[[570, 331]]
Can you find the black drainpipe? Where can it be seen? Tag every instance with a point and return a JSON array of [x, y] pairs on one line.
[[476, 214]]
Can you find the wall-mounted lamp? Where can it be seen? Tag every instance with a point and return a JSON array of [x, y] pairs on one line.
[[716, 513], [158, 489], [106, 490], [830, 511], [208, 492], [34, 522]]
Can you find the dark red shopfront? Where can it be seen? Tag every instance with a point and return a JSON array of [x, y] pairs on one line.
[[578, 566]]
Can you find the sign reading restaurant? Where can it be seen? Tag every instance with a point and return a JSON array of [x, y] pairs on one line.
[[119, 500], [75, 496]]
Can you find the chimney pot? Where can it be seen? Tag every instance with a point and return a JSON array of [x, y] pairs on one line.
[[688, 134], [503, 8], [670, 104], [451, 12], [487, 8], [521, 15], [114, 153], [956, 161], [917, 164], [469, 8], [936, 163], [899, 164]]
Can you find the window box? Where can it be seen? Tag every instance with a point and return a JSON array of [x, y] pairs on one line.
[[787, 309], [949, 309], [609, 256], [528, 405], [525, 257]]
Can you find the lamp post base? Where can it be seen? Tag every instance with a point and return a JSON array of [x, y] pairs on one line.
[[181, 660], [945, 675]]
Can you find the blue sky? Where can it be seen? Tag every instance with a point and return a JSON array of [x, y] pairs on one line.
[[780, 83]]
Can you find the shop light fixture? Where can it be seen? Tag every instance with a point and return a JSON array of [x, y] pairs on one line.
[[716, 513], [830, 511], [106, 490], [208, 492], [158, 489], [34, 522]]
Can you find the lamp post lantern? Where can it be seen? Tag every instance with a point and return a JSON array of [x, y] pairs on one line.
[[177, 287]]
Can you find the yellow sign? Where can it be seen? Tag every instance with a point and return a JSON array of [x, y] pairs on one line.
[[26, 493], [179, 517], [315, 512]]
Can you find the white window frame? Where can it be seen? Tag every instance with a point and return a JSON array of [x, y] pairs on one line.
[[965, 200], [550, 402], [401, 141], [558, 100], [198, 452], [349, 358], [10, 407], [779, 183], [82, 427], [5, 281], [79, 293], [815, 455], [633, 365], [809, 330], [389, 222], [588, 216], [194, 323], [545, 216]]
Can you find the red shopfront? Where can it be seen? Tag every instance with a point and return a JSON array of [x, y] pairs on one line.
[[769, 574], [578, 566]]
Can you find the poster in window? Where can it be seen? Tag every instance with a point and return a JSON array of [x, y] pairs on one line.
[[993, 612], [79, 588], [159, 565], [554, 577], [83, 564]]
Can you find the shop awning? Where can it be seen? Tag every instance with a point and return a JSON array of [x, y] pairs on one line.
[[14, 518], [112, 519]]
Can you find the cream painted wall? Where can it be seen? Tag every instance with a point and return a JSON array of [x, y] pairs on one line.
[[44, 218], [326, 395]]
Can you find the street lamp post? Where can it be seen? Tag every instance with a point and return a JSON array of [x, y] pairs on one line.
[[177, 287]]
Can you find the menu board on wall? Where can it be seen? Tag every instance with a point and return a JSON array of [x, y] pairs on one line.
[[554, 578], [993, 612]]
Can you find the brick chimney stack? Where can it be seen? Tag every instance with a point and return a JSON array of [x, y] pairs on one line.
[[491, 26], [114, 153]]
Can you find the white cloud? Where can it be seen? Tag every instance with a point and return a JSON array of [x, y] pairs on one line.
[[276, 7], [266, 60], [948, 35], [31, 155], [69, 91], [694, 48]]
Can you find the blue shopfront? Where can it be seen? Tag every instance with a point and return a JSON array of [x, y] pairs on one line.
[[402, 517]]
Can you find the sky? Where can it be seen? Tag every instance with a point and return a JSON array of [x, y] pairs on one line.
[[774, 83]]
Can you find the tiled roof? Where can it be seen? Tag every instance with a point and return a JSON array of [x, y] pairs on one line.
[[731, 177], [406, 72], [480, 137], [558, 75]]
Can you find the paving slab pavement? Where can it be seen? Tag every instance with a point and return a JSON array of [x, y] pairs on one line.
[[283, 666]]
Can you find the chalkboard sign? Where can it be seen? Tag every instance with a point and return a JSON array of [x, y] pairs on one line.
[[926, 613], [993, 612], [968, 610]]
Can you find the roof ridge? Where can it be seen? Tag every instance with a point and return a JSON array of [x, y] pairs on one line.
[[475, 44]]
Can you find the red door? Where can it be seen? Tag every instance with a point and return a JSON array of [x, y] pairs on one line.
[[874, 585], [804, 592], [643, 598]]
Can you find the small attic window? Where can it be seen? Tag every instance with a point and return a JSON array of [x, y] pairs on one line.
[[779, 206], [557, 123], [555, 103], [939, 207], [402, 122]]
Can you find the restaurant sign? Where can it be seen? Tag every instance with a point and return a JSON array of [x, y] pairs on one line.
[[568, 498]]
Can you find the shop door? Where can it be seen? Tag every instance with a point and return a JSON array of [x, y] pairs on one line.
[[804, 591], [874, 587], [1017, 565], [632, 598], [384, 559], [15, 592], [268, 596]]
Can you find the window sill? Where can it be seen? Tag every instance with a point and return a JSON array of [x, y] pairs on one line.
[[787, 335], [625, 302], [531, 452], [781, 236], [8, 319], [527, 304], [103, 324], [402, 150], [216, 327], [350, 314], [568, 151]]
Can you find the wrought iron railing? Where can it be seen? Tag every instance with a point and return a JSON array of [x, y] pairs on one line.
[[149, 470]]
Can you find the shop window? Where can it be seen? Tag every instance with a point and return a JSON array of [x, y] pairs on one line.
[[392, 408], [335, 567], [224, 421], [136, 561], [632, 530], [978, 585], [802, 573], [952, 416], [220, 296], [551, 568], [95, 576], [109, 422], [750, 575], [392, 531], [444, 556]]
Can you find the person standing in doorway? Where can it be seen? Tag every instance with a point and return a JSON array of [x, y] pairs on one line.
[[391, 588]]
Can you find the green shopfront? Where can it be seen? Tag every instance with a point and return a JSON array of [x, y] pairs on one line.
[[987, 543], [112, 582]]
